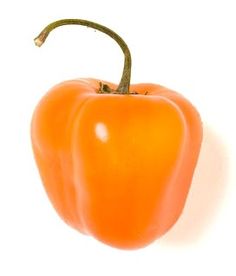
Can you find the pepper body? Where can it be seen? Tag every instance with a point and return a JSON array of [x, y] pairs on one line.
[[117, 167]]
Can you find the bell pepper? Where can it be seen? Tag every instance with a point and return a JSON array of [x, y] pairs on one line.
[[116, 161]]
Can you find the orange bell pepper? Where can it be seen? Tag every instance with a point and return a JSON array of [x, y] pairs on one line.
[[116, 162]]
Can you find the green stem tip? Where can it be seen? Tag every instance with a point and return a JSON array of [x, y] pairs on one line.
[[123, 87]]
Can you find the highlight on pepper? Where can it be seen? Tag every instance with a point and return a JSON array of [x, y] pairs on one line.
[[116, 161]]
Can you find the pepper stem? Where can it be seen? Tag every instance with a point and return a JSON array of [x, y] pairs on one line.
[[123, 87]]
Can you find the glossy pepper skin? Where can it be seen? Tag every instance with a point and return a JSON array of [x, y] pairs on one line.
[[117, 167], [116, 160]]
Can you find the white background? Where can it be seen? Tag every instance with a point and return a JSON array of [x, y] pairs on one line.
[[189, 46]]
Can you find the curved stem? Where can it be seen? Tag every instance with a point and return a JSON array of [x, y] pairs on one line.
[[123, 87]]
